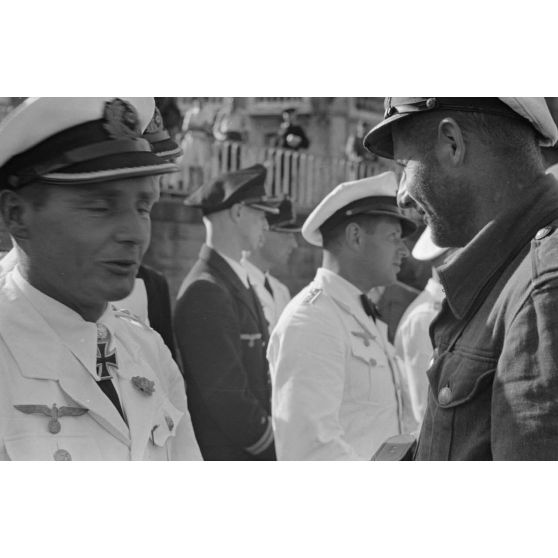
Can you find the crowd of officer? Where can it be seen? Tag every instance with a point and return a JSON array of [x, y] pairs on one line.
[[89, 355]]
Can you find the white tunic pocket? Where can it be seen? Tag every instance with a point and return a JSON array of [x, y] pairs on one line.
[[37, 447]]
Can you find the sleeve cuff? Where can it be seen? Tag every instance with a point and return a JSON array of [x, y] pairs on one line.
[[263, 443]]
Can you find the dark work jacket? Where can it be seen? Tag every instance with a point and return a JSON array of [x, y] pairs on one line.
[[158, 304], [494, 378], [222, 337]]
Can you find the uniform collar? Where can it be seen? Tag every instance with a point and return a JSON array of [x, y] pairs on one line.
[[254, 272], [341, 289], [79, 335], [236, 267], [495, 244]]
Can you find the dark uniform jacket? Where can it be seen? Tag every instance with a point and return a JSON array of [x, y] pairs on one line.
[[494, 378], [222, 335], [158, 304]]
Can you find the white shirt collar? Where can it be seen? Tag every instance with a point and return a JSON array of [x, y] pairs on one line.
[[255, 274], [343, 290], [237, 268], [79, 335], [435, 289]]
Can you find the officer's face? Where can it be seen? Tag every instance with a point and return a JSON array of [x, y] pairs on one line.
[[383, 250], [278, 247], [86, 242], [441, 199], [252, 225]]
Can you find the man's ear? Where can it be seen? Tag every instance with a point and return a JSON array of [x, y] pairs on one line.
[[450, 143], [15, 210], [353, 235], [235, 212]]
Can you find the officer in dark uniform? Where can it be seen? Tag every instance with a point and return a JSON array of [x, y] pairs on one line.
[[219, 324]]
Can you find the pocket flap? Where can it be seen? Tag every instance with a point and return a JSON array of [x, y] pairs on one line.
[[166, 422], [364, 346], [52, 448], [456, 378]]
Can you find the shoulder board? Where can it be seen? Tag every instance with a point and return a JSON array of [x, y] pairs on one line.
[[545, 231], [127, 315], [312, 296]]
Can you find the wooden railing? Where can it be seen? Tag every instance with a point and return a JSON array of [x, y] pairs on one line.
[[305, 177]]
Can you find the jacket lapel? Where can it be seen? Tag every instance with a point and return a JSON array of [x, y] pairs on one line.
[[227, 274], [139, 406], [51, 359]]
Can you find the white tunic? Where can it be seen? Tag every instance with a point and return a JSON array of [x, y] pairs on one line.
[[48, 357], [413, 346], [336, 383]]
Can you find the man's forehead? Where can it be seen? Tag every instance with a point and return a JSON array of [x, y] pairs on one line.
[[147, 184]]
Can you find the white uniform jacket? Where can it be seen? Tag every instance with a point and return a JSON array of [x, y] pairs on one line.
[[336, 384], [413, 346], [274, 305], [48, 357]]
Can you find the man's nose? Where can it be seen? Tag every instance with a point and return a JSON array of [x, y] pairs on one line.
[[403, 249], [403, 199], [133, 228]]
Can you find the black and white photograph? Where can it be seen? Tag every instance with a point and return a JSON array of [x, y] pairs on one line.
[[334, 317]]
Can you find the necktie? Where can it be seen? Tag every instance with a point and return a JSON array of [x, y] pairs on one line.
[[369, 307], [105, 361], [267, 286]]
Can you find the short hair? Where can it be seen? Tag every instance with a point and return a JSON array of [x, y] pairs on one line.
[[502, 135], [332, 237], [36, 194]]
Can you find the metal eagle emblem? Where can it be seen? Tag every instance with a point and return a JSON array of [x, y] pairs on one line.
[[366, 336], [121, 120], [53, 413], [156, 124]]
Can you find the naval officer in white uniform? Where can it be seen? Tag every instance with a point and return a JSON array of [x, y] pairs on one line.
[[81, 380], [337, 391]]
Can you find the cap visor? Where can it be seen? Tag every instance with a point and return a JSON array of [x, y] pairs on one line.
[[122, 165], [379, 140], [271, 207], [287, 228]]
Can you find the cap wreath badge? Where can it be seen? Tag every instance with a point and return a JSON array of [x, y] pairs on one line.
[[121, 120]]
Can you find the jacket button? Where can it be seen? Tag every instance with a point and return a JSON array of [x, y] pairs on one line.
[[62, 455], [444, 397]]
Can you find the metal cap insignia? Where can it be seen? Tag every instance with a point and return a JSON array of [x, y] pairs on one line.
[[121, 120]]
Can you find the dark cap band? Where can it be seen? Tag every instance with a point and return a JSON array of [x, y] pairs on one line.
[[374, 205]]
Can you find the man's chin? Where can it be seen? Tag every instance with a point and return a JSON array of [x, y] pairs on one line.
[[119, 290]]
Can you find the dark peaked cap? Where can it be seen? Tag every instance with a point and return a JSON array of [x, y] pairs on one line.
[[286, 220], [246, 186]]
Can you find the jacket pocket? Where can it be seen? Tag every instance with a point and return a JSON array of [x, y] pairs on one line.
[[364, 370], [456, 379], [52, 448], [457, 424]]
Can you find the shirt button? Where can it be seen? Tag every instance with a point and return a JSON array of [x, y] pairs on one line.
[[444, 397], [62, 455]]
